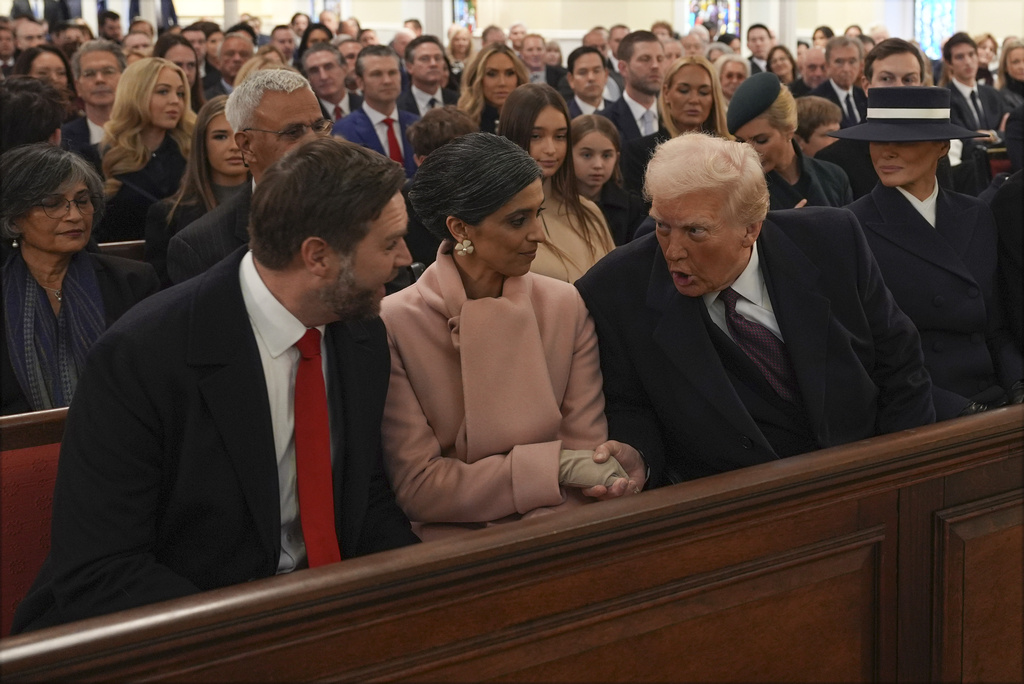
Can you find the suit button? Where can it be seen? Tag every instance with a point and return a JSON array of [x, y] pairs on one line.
[[746, 443], [976, 338], [938, 346], [939, 300], [973, 292]]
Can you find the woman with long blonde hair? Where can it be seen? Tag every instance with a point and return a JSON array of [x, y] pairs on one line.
[[460, 49], [487, 82], [145, 145]]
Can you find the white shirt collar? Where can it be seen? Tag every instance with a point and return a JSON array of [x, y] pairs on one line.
[[637, 110], [423, 98], [277, 326], [964, 89], [925, 207], [343, 103], [749, 284], [840, 92], [95, 132], [377, 118], [763, 63], [586, 108]]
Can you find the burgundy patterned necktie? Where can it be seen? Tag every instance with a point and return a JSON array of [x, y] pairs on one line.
[[766, 350]]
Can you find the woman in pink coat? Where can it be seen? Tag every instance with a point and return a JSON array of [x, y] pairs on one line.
[[495, 410]]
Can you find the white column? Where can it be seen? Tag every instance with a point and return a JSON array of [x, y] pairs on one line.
[[89, 15], [785, 29], [231, 13], [147, 10], [681, 16]]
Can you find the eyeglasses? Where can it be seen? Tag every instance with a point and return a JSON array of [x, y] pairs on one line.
[[298, 131], [105, 71], [57, 207]]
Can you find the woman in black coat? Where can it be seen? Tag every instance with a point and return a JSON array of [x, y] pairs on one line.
[[938, 252], [763, 113]]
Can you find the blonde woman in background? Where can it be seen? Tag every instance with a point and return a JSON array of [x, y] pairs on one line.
[[460, 50], [1011, 73], [145, 145], [987, 49], [691, 100], [487, 82]]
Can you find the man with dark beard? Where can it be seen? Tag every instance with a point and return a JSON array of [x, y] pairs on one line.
[[229, 428]]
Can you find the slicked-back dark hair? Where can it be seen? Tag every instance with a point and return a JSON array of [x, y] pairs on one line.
[[959, 38], [410, 49], [630, 39], [327, 188], [444, 187], [583, 50]]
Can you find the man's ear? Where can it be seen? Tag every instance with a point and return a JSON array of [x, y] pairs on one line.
[[317, 256], [752, 233], [243, 143]]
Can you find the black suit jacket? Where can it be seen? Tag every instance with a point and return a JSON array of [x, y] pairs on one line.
[[623, 210], [620, 115], [216, 88], [755, 68], [1006, 207], [407, 102], [962, 113], [857, 357], [167, 483], [860, 101], [799, 88], [74, 137], [210, 238], [944, 279], [123, 283], [1015, 138]]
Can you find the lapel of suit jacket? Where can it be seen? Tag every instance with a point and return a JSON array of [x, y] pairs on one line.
[[682, 335], [962, 109], [802, 312], [627, 121], [406, 119], [355, 427], [904, 227], [222, 348]]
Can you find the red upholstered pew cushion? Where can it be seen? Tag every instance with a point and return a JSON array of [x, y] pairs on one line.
[[26, 498]]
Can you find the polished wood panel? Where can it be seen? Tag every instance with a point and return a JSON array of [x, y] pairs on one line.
[[127, 249], [23, 430], [834, 566]]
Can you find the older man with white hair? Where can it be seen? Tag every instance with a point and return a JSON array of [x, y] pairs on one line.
[[732, 336]]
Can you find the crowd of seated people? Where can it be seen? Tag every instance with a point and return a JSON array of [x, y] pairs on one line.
[[483, 284]]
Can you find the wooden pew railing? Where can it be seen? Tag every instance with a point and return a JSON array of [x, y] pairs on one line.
[[128, 249], [896, 559]]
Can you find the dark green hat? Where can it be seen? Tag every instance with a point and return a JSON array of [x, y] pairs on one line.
[[755, 95]]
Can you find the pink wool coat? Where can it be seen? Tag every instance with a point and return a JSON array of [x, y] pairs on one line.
[[483, 395]]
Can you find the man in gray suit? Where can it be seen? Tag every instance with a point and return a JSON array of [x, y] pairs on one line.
[[271, 112]]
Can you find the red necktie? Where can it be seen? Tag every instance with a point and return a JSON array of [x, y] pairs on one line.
[[313, 455], [394, 151], [338, 113]]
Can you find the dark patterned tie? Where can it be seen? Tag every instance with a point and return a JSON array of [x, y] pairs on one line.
[[979, 117], [766, 350], [851, 111]]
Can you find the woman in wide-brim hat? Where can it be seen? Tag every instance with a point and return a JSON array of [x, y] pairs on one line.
[[938, 251]]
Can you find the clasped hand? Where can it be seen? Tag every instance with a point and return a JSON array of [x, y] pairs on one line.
[[611, 470]]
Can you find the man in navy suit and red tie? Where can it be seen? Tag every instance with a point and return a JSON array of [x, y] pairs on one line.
[[379, 124], [228, 429]]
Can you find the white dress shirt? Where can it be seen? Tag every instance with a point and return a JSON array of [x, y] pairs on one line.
[[95, 132], [276, 331], [329, 106], [925, 207], [754, 303], [842, 99], [423, 99], [381, 128], [588, 108], [637, 110], [966, 92]]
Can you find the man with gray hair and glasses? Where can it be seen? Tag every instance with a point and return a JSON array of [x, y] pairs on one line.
[[96, 67], [271, 112]]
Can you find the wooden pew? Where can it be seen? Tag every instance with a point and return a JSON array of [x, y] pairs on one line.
[[897, 559], [29, 447], [129, 249]]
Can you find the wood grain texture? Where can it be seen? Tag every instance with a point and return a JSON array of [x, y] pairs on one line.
[[799, 569]]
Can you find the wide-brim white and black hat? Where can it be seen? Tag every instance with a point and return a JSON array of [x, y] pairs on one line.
[[907, 114]]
